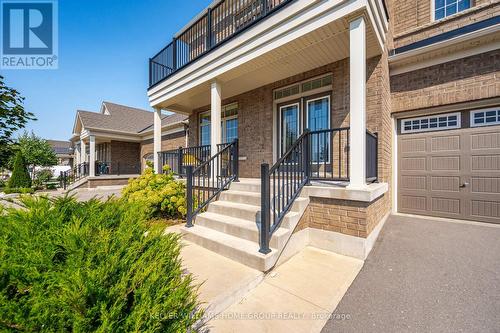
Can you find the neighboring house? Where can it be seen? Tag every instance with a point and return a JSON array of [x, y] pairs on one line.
[[63, 151], [422, 75], [117, 141]]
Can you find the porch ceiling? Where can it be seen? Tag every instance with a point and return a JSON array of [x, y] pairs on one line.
[[320, 47]]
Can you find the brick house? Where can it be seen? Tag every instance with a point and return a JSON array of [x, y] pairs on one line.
[[114, 144], [343, 111]]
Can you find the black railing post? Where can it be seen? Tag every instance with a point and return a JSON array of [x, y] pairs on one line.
[[264, 7], [265, 209], [209, 29], [150, 72], [174, 54], [180, 161], [236, 160], [307, 157], [189, 196]]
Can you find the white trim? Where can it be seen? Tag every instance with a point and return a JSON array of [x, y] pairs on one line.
[[429, 129], [472, 113], [394, 165]]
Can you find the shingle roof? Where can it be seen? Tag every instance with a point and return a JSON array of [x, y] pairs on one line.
[[124, 119], [167, 120], [60, 147]]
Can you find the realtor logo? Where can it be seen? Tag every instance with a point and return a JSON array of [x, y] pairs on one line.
[[29, 34]]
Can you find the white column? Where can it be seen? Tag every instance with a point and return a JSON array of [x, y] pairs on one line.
[[83, 152], [92, 156], [357, 87], [215, 116], [76, 155], [157, 140]]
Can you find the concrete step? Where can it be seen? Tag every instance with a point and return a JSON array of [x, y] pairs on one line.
[[238, 249], [240, 228], [235, 209], [246, 186], [253, 198]]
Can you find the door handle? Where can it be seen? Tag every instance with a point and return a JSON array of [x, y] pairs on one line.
[[464, 184]]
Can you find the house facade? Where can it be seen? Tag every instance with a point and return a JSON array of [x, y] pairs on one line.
[[116, 143], [63, 151], [343, 111]]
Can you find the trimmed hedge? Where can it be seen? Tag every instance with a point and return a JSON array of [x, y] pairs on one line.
[[92, 266], [20, 176], [9, 190]]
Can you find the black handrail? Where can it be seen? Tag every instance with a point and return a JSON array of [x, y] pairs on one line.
[[211, 177], [72, 175], [219, 24], [322, 154], [285, 179]]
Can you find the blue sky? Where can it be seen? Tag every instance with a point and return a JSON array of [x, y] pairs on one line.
[[104, 47]]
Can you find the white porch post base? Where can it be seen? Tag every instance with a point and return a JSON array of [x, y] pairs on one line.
[[157, 141], [215, 116], [92, 156], [357, 87]]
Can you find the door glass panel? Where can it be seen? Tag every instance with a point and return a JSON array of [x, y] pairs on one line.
[[231, 130], [318, 118], [289, 126]]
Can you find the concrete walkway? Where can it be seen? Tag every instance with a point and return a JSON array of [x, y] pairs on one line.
[[298, 296], [426, 275]]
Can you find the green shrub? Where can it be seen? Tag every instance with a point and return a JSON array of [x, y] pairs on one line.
[[160, 194], [20, 176], [93, 266], [51, 186], [22, 190], [41, 177]]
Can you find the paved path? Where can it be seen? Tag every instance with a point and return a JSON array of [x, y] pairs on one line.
[[426, 276]]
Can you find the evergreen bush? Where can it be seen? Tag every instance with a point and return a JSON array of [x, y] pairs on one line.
[[90, 267], [20, 177]]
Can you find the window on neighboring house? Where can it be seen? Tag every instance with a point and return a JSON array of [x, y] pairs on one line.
[[431, 123], [229, 125], [485, 117], [444, 8]]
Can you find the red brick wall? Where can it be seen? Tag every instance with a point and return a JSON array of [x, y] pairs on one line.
[[125, 157], [463, 80]]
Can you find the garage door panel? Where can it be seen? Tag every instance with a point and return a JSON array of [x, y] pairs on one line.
[[490, 185], [445, 163], [490, 162], [413, 182], [413, 163], [414, 203], [488, 140], [486, 209], [445, 183], [445, 143], [413, 145], [446, 205], [457, 176]]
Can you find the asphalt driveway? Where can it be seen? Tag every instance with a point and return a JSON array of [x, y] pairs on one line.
[[426, 276]]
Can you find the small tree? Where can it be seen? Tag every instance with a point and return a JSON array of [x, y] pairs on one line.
[[13, 117], [20, 177], [36, 151]]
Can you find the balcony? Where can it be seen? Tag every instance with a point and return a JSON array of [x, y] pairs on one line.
[[220, 23]]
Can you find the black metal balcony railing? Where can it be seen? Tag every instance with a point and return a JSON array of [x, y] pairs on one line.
[[219, 24], [178, 159], [67, 178], [317, 155]]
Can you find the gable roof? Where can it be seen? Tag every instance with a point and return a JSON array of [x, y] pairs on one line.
[[121, 118]]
